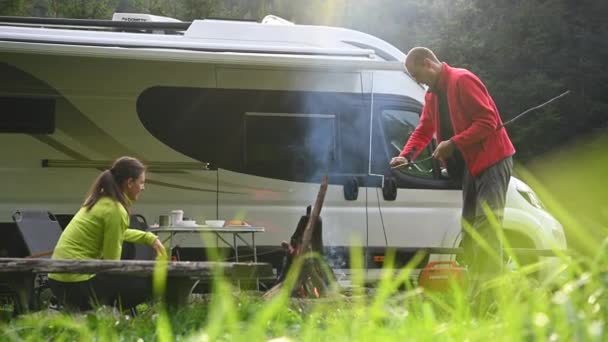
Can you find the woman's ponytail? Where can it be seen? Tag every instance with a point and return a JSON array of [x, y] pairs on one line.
[[109, 182]]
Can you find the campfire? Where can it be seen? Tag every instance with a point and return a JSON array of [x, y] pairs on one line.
[[315, 279]]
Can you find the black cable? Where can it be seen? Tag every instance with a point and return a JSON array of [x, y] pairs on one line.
[[456, 239], [533, 108], [366, 228], [381, 218], [412, 163], [459, 235], [217, 193], [280, 249]]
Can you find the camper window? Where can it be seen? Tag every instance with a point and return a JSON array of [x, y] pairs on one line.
[[398, 125], [27, 115], [288, 135], [300, 145]]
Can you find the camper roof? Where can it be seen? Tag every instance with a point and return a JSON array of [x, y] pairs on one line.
[[272, 35]]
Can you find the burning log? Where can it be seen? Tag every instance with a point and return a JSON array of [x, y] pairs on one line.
[[315, 278]]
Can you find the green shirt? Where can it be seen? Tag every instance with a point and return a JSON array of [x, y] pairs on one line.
[[97, 234]]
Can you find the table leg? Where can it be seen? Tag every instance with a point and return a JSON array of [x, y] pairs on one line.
[[236, 247], [171, 243], [231, 245], [255, 259], [236, 255], [255, 253]]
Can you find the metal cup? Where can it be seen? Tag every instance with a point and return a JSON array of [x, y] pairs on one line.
[[163, 220]]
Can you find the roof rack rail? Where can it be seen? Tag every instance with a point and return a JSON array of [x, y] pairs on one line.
[[231, 19], [141, 25]]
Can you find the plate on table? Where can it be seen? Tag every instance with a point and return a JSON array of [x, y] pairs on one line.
[[237, 223]]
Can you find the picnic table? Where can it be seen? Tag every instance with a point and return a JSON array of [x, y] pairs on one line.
[[237, 233], [182, 276]]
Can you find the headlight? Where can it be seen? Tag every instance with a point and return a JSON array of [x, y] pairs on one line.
[[531, 198]]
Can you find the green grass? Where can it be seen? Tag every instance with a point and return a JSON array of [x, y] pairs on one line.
[[570, 304], [564, 309]]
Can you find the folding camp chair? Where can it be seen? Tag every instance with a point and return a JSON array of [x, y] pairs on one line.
[[137, 251], [40, 231]]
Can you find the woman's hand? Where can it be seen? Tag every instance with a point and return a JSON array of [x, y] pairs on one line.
[[159, 248]]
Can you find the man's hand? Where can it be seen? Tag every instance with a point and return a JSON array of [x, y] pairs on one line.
[[444, 150], [159, 248], [399, 162]]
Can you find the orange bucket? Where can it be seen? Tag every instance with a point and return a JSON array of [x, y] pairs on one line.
[[438, 275]]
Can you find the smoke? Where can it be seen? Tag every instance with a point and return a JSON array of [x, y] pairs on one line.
[[336, 257], [337, 141]]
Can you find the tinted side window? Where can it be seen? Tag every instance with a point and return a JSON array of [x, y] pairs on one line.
[[290, 144], [399, 124], [289, 135], [27, 115]]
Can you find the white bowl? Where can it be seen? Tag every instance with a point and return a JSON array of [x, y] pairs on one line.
[[186, 223], [215, 223]]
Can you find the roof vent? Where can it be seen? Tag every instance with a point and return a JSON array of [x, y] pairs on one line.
[[274, 20], [140, 17]]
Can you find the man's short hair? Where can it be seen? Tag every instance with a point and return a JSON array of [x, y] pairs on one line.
[[418, 54]]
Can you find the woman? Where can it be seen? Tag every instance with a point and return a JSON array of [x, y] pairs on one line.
[[97, 231]]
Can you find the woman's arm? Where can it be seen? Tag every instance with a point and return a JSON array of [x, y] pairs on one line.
[[139, 236], [115, 223], [145, 238]]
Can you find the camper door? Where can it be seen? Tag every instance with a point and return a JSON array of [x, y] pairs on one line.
[[418, 206]]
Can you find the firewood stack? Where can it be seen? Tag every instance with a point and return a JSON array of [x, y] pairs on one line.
[[316, 279]]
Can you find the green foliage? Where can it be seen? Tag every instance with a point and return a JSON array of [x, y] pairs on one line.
[[572, 183], [529, 51], [14, 7], [81, 9]]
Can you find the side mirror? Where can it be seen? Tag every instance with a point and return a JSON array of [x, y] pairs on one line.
[[389, 189], [351, 189]]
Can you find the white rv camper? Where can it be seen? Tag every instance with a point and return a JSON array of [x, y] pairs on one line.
[[237, 120]]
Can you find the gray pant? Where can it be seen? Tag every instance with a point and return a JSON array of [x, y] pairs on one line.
[[489, 188]]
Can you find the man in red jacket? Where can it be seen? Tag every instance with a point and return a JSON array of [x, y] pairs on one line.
[[459, 110]]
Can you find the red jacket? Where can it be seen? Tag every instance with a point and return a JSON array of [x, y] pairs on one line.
[[474, 118]]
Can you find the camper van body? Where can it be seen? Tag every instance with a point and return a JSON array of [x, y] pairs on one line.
[[271, 106]]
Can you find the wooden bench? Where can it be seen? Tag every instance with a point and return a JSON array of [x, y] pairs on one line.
[[182, 276]]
